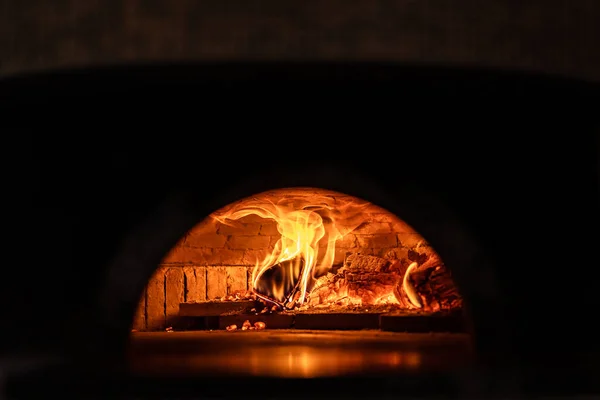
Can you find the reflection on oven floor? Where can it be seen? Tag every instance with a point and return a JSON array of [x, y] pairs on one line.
[[292, 353]]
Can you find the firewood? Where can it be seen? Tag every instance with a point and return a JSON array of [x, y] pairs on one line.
[[405, 290], [362, 278], [367, 280], [433, 283], [292, 295], [361, 263]]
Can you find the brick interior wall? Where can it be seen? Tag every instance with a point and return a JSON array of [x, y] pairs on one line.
[[214, 260]]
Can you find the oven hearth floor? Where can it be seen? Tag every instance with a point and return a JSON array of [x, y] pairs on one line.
[[295, 354]]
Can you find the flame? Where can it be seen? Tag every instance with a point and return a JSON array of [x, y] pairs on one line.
[[308, 225], [409, 288]]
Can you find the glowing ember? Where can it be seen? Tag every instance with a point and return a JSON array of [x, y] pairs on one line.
[[309, 228], [247, 326]]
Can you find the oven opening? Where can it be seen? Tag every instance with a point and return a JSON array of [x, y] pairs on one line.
[[300, 282]]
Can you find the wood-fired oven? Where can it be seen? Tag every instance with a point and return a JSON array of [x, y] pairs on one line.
[[294, 262], [398, 238]]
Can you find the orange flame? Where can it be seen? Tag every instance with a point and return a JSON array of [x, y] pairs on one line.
[[308, 225]]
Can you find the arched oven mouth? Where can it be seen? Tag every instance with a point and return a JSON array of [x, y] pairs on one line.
[[300, 282]]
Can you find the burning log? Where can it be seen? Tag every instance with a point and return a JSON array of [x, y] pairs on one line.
[[405, 291], [362, 279], [283, 271], [432, 284], [367, 264], [425, 283], [439, 292], [293, 300], [267, 300]]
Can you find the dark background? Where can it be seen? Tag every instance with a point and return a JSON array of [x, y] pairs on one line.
[[90, 156]]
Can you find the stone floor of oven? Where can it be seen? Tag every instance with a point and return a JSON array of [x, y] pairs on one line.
[[295, 353]]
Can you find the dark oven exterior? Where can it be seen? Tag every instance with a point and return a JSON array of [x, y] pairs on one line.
[[504, 191]]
